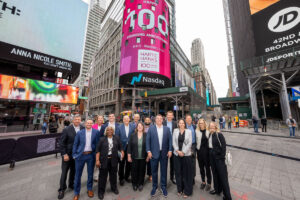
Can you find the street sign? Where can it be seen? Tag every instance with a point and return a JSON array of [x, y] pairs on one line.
[[80, 97], [183, 89], [296, 93]]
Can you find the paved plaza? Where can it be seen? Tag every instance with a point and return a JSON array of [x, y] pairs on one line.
[[253, 176]]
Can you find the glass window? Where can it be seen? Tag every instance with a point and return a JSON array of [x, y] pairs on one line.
[[138, 40]]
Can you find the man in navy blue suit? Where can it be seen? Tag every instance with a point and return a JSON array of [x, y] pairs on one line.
[[125, 131], [159, 149], [112, 122], [84, 152]]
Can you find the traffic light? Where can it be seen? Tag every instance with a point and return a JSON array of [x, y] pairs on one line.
[[122, 90], [146, 95]]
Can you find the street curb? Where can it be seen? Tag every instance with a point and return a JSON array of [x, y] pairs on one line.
[[260, 134]]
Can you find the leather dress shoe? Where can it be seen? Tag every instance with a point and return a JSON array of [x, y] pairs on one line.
[[101, 196], [90, 193], [213, 192], [61, 194], [140, 188], [122, 182], [116, 191], [134, 188], [76, 197]]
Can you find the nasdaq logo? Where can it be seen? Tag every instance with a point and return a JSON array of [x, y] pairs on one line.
[[284, 20], [136, 79]]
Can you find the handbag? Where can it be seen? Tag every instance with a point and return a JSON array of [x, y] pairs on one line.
[[228, 156]]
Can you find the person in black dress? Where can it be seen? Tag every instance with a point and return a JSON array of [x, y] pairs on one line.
[[137, 155], [217, 153], [107, 158]]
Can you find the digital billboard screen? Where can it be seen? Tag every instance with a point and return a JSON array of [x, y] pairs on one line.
[[47, 33], [12, 87], [276, 26], [183, 78], [145, 49]]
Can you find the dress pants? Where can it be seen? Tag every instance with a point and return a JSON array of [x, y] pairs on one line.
[[264, 128], [124, 166], [149, 173], [103, 177], [163, 171], [172, 167], [193, 160], [183, 174], [220, 175], [138, 169], [67, 166], [89, 159], [204, 165]]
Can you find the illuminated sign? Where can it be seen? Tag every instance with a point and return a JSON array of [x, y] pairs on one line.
[[17, 88], [145, 49]]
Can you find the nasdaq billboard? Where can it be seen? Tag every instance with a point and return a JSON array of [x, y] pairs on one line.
[[48, 33], [276, 26], [145, 49]]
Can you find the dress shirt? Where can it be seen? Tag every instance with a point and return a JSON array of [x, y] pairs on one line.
[[112, 125], [193, 133], [77, 128], [110, 146], [169, 124], [160, 132], [126, 130], [99, 127], [88, 140]]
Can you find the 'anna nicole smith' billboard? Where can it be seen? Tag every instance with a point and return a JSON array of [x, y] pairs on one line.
[[145, 50]]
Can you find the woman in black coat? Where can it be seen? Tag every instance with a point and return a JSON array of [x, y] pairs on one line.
[[107, 158], [136, 151], [217, 153]]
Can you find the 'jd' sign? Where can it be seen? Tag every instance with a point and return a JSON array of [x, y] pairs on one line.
[[285, 19]]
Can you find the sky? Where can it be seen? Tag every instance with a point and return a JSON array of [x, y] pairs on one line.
[[204, 19]]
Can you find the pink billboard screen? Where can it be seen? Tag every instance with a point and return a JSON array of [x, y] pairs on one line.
[[145, 49]]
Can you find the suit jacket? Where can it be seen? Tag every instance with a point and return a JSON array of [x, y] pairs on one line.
[[102, 129], [102, 148], [152, 142], [67, 140], [80, 139], [219, 145], [187, 144], [133, 146], [122, 134], [174, 125]]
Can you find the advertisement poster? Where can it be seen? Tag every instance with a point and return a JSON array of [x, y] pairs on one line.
[[12, 87], [276, 27], [47, 33], [183, 78], [145, 49]]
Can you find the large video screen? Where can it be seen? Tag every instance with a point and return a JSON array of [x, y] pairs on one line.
[[43, 33], [12, 87], [183, 78], [145, 49], [276, 26]]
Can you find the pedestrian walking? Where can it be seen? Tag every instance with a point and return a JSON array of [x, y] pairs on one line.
[[137, 156], [159, 149], [221, 122], [217, 153], [237, 121], [107, 159], [53, 126], [84, 149], [66, 148], [202, 136], [45, 126], [182, 143], [224, 121], [255, 123], [292, 124], [263, 122], [229, 121]]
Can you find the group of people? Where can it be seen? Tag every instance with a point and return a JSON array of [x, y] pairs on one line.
[[55, 124], [128, 149]]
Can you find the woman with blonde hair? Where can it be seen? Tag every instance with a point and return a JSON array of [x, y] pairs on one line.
[[217, 153], [203, 153]]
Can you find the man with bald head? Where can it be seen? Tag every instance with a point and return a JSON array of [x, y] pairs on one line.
[[125, 131], [136, 119]]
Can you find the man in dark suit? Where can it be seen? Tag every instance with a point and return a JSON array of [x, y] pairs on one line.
[[192, 127], [171, 125], [125, 131], [136, 119], [68, 163], [159, 149], [84, 152], [112, 122]]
